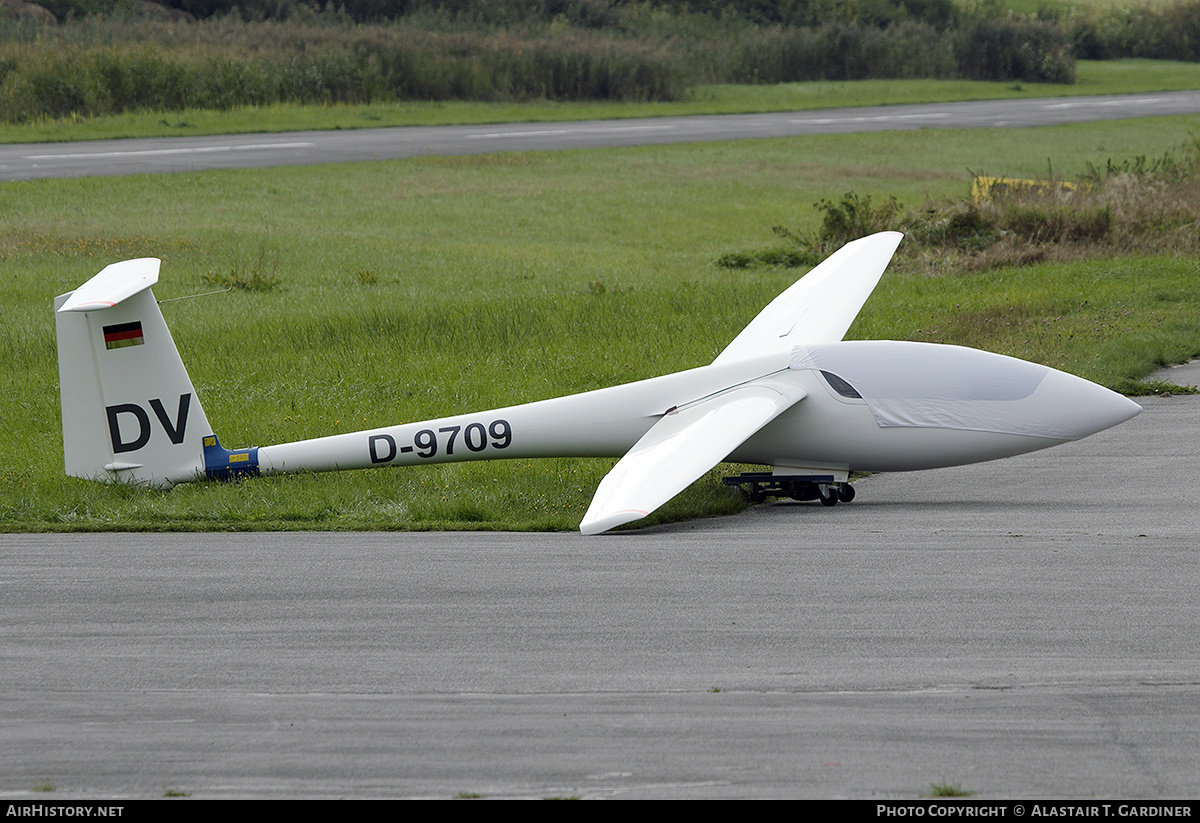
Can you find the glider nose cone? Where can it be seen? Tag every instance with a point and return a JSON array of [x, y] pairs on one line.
[[1087, 408]]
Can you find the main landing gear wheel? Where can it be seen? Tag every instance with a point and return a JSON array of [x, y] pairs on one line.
[[833, 493], [758, 486]]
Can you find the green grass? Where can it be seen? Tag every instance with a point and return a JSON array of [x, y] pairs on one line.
[[1068, 6], [944, 789], [1094, 77], [482, 292]]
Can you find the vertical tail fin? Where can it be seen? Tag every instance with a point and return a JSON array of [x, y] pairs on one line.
[[129, 411]]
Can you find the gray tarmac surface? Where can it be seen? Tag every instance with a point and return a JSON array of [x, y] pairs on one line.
[[1026, 628], [1185, 374], [172, 154]]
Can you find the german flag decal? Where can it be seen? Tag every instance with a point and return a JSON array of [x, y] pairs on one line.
[[122, 335]]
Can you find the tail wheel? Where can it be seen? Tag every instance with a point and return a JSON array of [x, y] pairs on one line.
[[829, 495], [845, 492]]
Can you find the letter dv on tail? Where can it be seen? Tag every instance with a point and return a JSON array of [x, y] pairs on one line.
[[787, 393]]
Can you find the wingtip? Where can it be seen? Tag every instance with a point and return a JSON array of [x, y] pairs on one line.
[[605, 522], [884, 239]]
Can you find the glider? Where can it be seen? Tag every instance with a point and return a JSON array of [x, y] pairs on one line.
[[787, 393]]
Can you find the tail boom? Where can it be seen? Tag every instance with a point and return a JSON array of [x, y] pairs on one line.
[[602, 423]]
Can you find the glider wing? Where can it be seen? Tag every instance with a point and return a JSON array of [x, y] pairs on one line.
[[821, 305], [681, 447]]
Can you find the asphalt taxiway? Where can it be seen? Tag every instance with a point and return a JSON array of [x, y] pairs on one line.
[[175, 154], [1023, 628]]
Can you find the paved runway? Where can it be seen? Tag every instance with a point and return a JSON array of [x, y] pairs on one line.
[[1026, 628], [171, 154]]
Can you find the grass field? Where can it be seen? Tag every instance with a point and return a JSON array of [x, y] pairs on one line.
[[411, 289], [1033, 6]]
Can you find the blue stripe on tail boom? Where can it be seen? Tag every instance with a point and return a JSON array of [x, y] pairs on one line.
[[222, 464]]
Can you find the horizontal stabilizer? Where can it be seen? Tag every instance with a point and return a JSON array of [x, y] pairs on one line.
[[821, 305], [114, 284], [681, 447]]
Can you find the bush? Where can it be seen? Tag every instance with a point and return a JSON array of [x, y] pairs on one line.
[[1136, 206], [224, 64], [1151, 31], [853, 217], [120, 63], [1014, 49]]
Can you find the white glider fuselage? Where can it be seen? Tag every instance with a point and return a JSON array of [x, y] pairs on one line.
[[828, 431], [787, 392]]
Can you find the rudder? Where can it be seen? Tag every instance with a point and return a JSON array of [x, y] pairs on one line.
[[129, 411]]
